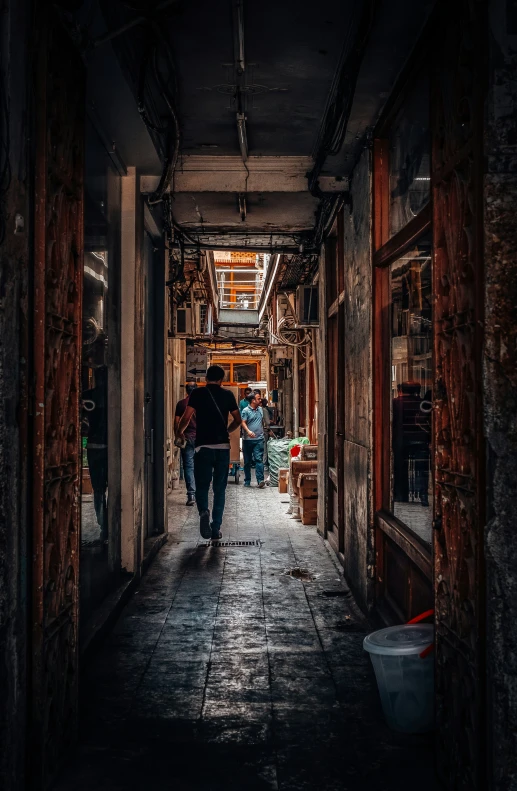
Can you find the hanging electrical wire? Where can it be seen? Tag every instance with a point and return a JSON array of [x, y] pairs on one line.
[[287, 333]]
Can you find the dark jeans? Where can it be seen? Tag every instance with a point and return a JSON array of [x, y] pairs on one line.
[[98, 468], [253, 449], [187, 458], [211, 464]]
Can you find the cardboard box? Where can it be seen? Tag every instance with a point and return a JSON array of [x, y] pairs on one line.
[[308, 484], [309, 453], [283, 480], [298, 467], [309, 510]]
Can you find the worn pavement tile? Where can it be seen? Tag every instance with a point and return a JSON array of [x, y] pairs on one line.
[[223, 674]]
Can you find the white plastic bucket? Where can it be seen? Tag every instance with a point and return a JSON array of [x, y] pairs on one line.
[[405, 680]]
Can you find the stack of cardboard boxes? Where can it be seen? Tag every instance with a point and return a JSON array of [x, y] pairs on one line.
[[308, 486], [304, 483]]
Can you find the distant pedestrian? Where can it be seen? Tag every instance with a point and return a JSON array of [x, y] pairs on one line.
[[253, 440], [211, 406], [244, 401], [187, 452]]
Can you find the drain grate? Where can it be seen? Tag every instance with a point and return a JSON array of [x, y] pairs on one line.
[[255, 543]]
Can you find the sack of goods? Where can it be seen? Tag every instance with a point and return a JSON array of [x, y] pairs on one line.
[[278, 456], [294, 508]]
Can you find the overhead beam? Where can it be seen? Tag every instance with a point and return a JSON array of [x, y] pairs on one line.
[[197, 173]]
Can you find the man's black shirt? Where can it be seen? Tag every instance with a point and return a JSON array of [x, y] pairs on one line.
[[210, 428]]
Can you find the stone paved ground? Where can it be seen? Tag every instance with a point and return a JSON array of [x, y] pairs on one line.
[[224, 674]]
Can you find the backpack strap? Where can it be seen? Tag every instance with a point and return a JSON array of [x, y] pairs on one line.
[[217, 407]]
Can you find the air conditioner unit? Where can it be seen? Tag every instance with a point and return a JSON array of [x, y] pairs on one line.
[[307, 305], [183, 322]]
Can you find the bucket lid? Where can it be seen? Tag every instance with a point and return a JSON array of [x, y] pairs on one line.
[[402, 640]]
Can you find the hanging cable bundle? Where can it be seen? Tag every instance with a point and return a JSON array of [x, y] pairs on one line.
[[287, 334]]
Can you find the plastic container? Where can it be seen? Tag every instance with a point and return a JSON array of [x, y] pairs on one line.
[[405, 680]]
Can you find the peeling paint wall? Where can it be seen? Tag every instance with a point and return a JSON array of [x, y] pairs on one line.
[[358, 540], [14, 266], [500, 393]]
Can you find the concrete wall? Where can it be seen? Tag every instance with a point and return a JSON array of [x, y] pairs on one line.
[[500, 395], [357, 383], [14, 354]]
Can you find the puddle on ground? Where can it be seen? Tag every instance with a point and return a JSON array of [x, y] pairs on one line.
[[298, 573]]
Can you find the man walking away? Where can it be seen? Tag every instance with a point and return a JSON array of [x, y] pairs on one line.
[[244, 401], [187, 453], [253, 441], [211, 406]]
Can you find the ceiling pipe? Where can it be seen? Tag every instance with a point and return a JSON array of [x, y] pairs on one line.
[[242, 135], [243, 248], [240, 96], [238, 35]]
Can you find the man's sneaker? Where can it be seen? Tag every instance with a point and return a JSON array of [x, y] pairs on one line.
[[216, 535], [261, 484], [190, 501], [204, 524], [247, 483]]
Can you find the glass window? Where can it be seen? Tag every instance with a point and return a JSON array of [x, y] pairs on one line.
[[226, 369], [411, 396], [245, 372], [102, 212], [410, 180]]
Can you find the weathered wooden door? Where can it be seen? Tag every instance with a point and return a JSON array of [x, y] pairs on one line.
[[457, 118], [58, 264]]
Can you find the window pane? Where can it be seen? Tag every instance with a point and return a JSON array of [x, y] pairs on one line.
[[409, 158], [226, 369], [411, 365], [245, 372], [101, 227]]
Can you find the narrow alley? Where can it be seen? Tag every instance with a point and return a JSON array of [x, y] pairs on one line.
[[225, 673], [264, 251]]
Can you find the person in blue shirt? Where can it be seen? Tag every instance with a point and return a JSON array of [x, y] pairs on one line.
[[253, 440], [243, 403]]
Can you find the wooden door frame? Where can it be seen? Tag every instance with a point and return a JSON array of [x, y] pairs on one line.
[[386, 249]]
